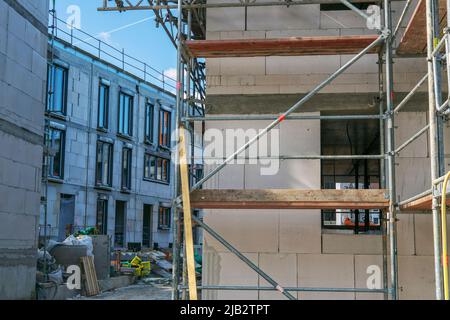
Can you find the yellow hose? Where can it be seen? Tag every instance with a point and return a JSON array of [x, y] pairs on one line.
[[444, 234]]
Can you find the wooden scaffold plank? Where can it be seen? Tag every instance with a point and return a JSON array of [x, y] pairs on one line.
[[293, 46], [289, 199]]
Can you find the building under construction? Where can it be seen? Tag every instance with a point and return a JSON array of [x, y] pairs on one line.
[[311, 148], [352, 99]]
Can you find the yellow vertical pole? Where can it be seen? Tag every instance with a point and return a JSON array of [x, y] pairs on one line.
[[187, 216], [444, 235]]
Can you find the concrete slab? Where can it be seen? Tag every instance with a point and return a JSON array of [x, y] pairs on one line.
[[406, 236], [416, 277], [282, 18], [423, 228], [224, 268], [326, 270], [300, 231], [352, 244], [409, 180], [282, 268], [364, 266], [261, 237], [406, 125]]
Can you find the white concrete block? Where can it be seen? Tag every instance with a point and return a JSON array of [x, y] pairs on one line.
[[366, 64], [221, 19], [231, 177], [416, 277], [406, 244], [276, 18], [341, 19], [295, 174], [326, 271], [302, 65], [406, 125], [233, 226], [423, 228], [280, 267], [300, 231], [224, 268], [352, 244], [364, 266], [300, 137], [243, 66], [412, 176], [283, 33]]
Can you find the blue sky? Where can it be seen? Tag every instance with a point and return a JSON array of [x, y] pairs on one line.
[[135, 31]]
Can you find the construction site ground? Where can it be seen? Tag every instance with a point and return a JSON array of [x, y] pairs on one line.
[[139, 291]]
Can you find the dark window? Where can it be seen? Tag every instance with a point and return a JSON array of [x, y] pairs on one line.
[[102, 215], [120, 223], [104, 164], [56, 153], [164, 128], [156, 168], [164, 218], [57, 89], [126, 168], [149, 167], [196, 173], [103, 106], [149, 111], [362, 220], [147, 226], [125, 114]]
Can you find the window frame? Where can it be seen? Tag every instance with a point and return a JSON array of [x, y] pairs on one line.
[[164, 130], [104, 222], [126, 176], [51, 84], [154, 175], [149, 123], [62, 148], [99, 182], [121, 115], [105, 106], [164, 225]]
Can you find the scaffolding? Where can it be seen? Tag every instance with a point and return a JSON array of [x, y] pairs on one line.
[[185, 24]]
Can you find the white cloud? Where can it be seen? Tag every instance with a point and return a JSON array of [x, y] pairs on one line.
[[171, 73], [105, 37]]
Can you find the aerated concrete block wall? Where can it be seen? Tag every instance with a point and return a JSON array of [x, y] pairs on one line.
[[289, 244], [84, 74], [23, 74], [292, 75]]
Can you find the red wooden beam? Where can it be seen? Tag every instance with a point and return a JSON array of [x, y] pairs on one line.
[[293, 46]]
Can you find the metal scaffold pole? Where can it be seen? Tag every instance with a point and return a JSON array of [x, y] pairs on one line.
[[176, 213], [433, 131], [390, 145]]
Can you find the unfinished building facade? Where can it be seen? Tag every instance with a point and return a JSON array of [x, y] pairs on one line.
[[316, 248], [23, 73], [109, 133]]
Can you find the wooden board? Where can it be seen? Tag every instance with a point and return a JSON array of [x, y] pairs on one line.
[[293, 46], [187, 218], [92, 287], [289, 199], [414, 39], [421, 204]]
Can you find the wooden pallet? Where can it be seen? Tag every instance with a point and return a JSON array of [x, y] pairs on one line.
[[91, 281]]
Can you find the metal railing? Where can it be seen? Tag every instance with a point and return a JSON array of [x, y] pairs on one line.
[[106, 52]]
